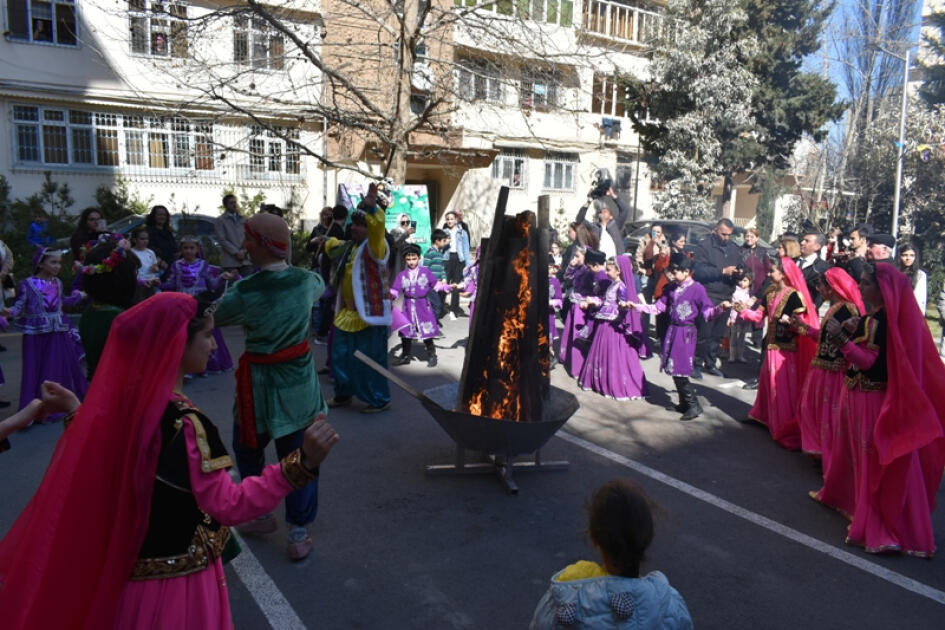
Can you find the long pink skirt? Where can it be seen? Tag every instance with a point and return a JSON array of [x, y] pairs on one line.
[[818, 409], [776, 403], [908, 528], [839, 489], [198, 601]]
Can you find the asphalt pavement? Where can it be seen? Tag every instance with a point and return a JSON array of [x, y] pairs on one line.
[[396, 549]]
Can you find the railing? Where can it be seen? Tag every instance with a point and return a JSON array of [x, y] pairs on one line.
[[621, 22]]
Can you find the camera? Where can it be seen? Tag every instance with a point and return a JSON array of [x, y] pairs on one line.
[[602, 182], [385, 188], [413, 224]]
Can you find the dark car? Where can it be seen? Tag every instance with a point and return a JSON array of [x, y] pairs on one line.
[[199, 225], [695, 231]]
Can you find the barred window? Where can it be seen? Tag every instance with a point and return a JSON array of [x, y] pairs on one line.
[[158, 29], [274, 151], [49, 21], [559, 171], [62, 137], [559, 12], [509, 167], [539, 90], [607, 98], [257, 44], [479, 81]]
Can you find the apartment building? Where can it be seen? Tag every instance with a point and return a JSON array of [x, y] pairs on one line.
[[526, 98], [171, 97]]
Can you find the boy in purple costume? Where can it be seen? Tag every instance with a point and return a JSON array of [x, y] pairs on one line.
[[684, 299], [193, 275], [416, 283], [612, 367]]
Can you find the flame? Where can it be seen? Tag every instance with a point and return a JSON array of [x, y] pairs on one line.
[[512, 333]]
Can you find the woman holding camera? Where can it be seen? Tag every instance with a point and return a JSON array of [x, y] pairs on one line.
[[457, 259]]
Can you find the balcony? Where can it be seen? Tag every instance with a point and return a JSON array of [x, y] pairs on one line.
[[620, 22]]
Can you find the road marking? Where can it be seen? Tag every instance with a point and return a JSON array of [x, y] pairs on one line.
[[846, 557], [273, 604]]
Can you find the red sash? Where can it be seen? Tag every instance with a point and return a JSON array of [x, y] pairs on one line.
[[245, 404]]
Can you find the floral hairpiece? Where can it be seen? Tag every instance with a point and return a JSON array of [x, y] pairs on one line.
[[114, 259]]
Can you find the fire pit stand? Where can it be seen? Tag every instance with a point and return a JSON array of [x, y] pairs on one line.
[[500, 441]]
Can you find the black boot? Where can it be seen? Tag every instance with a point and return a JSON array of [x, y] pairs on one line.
[[431, 352], [404, 357], [693, 409], [683, 404]]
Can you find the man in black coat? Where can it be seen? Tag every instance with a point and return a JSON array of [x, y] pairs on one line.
[[717, 260], [811, 264], [608, 228]]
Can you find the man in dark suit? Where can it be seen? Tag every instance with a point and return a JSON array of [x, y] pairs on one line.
[[811, 264]]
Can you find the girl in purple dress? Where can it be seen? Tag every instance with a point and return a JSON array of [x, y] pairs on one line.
[[577, 327], [468, 287], [554, 301], [684, 299], [415, 283], [52, 350], [193, 275], [612, 367]]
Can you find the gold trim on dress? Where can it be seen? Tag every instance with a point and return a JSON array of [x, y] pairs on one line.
[[294, 472], [205, 546], [207, 463]]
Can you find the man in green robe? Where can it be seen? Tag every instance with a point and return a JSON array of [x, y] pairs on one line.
[[277, 390]]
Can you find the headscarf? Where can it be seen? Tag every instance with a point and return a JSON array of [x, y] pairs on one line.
[[845, 286], [271, 232], [806, 347], [912, 418], [67, 558]]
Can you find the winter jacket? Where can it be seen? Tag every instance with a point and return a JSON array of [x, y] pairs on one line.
[[710, 256], [609, 602]]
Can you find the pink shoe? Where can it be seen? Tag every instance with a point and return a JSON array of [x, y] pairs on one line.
[[299, 550], [262, 525]]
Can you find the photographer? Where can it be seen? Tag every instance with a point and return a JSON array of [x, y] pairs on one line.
[[608, 228], [401, 235]]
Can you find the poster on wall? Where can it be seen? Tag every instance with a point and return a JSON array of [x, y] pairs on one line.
[[410, 203]]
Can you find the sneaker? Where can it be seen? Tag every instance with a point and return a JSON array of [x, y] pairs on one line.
[[324, 370], [378, 409], [752, 384], [696, 373], [431, 361], [265, 524], [321, 341], [452, 317], [338, 402], [299, 544], [714, 371]]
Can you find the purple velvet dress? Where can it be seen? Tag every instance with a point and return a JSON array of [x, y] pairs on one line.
[[554, 305], [193, 278], [612, 366], [52, 349], [582, 286], [470, 284], [415, 284], [684, 302]]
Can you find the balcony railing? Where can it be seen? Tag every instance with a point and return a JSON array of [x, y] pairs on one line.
[[620, 22]]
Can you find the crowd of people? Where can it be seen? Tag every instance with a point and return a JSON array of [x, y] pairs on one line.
[[847, 364]]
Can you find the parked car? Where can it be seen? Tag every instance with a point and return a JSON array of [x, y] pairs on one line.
[[694, 230], [199, 225]]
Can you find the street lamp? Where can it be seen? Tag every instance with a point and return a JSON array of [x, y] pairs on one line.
[[902, 143]]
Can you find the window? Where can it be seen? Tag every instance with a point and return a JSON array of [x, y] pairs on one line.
[[479, 81], [158, 29], [509, 167], [51, 21], [539, 90], [257, 44], [607, 99], [549, 11], [270, 153], [559, 171], [62, 137]]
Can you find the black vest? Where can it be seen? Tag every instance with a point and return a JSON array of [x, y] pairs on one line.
[[181, 538], [873, 337]]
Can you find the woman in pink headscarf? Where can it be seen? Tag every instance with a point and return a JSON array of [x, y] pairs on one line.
[[893, 406], [822, 432], [788, 353]]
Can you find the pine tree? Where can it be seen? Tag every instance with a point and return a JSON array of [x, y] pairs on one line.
[[933, 87], [727, 89]]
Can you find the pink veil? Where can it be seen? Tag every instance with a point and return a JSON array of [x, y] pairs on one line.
[[806, 347], [912, 417], [67, 557], [845, 286]]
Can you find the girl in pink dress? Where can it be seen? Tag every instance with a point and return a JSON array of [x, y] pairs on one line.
[[109, 531], [788, 354], [896, 414]]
